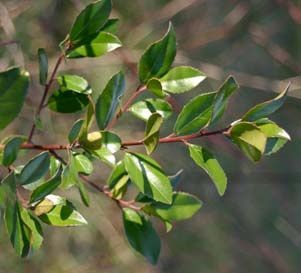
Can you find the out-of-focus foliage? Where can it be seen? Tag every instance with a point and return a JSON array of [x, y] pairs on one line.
[[256, 225]]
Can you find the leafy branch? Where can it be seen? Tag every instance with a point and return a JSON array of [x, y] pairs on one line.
[[65, 166]]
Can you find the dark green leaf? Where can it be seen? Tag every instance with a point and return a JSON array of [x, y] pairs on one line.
[[183, 207], [67, 101], [35, 169], [149, 177], [141, 235], [264, 109], [273, 145], [84, 195], [222, 97], [8, 190], [144, 109], [16, 229], [75, 130], [154, 85], [90, 20], [250, 139], [43, 64], [74, 83], [195, 115], [111, 26], [181, 79], [203, 158], [70, 174], [13, 90], [46, 188], [157, 59], [175, 179], [109, 100], [11, 149], [63, 216], [151, 138], [95, 46]]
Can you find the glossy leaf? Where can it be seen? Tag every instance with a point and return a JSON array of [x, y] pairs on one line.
[[145, 108], [35, 169], [203, 158], [67, 101], [13, 90], [109, 100], [157, 59], [195, 115], [82, 164], [154, 85], [141, 235], [105, 155], [43, 66], [63, 216], [46, 188], [151, 138], [35, 235], [175, 179], [91, 141], [75, 130], [222, 97], [111, 142], [274, 145], [183, 207], [11, 149], [181, 79], [149, 177], [8, 190], [48, 203], [16, 229], [111, 26], [250, 139], [264, 109], [74, 83], [70, 174], [95, 46], [90, 20], [84, 195]]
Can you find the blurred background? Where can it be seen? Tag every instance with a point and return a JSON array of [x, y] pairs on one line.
[[256, 226]]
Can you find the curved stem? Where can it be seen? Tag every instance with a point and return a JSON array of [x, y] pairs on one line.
[[46, 91]]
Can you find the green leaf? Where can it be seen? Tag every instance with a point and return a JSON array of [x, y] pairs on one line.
[[151, 138], [11, 149], [111, 142], [74, 83], [203, 158], [149, 177], [84, 195], [109, 100], [141, 235], [195, 115], [118, 180], [54, 165], [90, 20], [181, 79], [157, 59], [67, 101], [63, 216], [222, 97], [95, 46], [69, 175], [35, 169], [175, 179], [43, 65], [145, 108], [274, 145], [75, 130], [183, 207], [91, 141], [82, 164], [16, 229], [105, 155], [35, 230], [48, 203], [250, 139], [154, 85], [46, 188], [13, 90], [264, 109], [111, 26], [8, 190]]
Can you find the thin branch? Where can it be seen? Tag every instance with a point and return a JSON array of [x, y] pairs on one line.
[[10, 42], [46, 90]]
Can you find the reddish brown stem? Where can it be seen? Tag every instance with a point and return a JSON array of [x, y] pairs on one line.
[[46, 91]]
